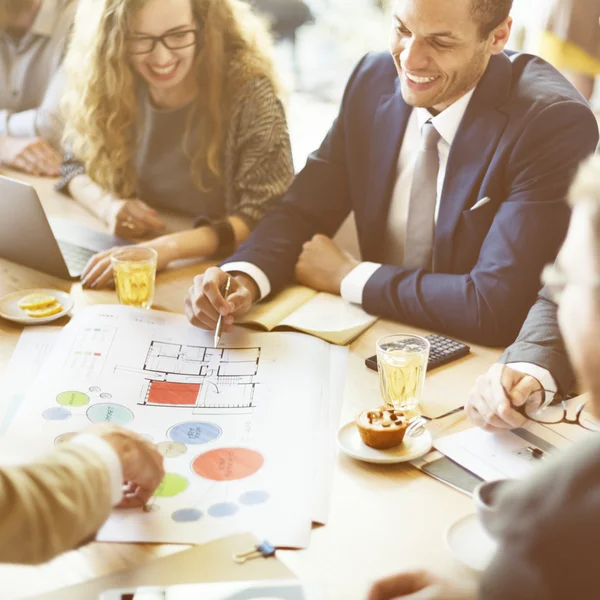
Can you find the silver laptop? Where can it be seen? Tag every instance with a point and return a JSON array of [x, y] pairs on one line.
[[56, 246]]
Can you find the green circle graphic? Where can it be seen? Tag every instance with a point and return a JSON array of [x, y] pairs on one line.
[[72, 399], [171, 485]]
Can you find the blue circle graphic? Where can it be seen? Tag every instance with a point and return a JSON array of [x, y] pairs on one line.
[[223, 509], [56, 414], [186, 515], [254, 497], [194, 432]]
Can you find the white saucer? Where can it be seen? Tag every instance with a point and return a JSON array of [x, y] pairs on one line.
[[351, 444], [9, 306], [470, 544]]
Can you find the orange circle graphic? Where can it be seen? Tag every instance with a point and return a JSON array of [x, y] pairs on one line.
[[227, 464]]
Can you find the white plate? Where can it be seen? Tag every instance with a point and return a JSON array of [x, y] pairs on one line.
[[9, 306], [470, 544], [351, 444]]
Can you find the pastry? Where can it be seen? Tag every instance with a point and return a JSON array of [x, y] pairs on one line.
[[382, 428]]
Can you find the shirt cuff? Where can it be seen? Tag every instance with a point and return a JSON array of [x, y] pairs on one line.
[[22, 124], [353, 285], [542, 375], [262, 281], [113, 463]]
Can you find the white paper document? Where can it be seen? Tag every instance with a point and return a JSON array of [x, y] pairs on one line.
[[33, 348], [505, 455], [243, 428]]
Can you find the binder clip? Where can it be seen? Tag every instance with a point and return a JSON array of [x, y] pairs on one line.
[[263, 549]]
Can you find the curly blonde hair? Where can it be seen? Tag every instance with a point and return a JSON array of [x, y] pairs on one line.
[[100, 108]]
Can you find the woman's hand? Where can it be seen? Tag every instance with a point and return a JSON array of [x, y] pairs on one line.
[[98, 272], [132, 219]]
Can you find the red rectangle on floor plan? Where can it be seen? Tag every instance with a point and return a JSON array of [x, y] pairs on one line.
[[173, 394]]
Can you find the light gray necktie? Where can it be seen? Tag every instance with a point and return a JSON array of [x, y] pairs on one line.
[[420, 227]]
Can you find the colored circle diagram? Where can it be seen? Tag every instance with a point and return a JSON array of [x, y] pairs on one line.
[[56, 414], [171, 485], [171, 449], [72, 399], [186, 515], [64, 437], [227, 464], [107, 412], [194, 432]]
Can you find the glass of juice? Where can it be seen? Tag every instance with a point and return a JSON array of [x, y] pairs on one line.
[[134, 270], [402, 365]]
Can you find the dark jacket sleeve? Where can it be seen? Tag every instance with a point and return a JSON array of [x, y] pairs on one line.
[[541, 343], [548, 532], [526, 233], [318, 201]]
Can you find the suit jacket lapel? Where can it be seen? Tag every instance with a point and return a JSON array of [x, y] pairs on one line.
[[389, 126], [471, 153]]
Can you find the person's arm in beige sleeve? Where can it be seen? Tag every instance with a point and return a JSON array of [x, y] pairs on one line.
[[60, 501]]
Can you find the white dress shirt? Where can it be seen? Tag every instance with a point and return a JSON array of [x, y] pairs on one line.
[[447, 123]]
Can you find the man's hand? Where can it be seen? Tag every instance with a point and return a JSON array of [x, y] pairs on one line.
[[98, 272], [490, 408], [421, 585], [30, 155], [132, 219], [141, 462], [322, 265], [205, 300]]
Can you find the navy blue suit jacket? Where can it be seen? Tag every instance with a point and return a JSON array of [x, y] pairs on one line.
[[524, 133]]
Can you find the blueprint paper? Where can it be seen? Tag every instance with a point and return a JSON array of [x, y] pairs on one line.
[[240, 426]]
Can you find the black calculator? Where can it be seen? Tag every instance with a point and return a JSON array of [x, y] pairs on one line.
[[442, 351]]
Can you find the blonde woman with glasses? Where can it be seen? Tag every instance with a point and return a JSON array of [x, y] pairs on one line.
[[173, 104]]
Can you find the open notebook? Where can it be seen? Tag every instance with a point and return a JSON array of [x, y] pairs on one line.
[[323, 315]]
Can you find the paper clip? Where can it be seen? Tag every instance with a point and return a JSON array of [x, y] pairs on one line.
[[263, 549]]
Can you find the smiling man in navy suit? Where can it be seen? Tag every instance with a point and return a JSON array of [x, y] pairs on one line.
[[455, 157]]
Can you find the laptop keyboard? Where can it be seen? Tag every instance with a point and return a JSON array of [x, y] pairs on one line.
[[76, 257]]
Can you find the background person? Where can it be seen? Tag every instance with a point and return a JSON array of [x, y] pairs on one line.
[[571, 42], [33, 38]]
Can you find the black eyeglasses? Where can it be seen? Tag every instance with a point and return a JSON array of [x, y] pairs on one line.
[[173, 41], [537, 408]]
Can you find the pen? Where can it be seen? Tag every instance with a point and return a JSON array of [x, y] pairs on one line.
[[219, 327]]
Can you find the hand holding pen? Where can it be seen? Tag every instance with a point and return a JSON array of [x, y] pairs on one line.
[[219, 328], [205, 303]]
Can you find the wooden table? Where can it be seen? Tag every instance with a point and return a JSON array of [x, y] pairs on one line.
[[384, 518]]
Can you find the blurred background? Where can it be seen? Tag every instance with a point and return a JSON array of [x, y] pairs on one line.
[[320, 42]]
